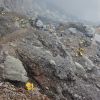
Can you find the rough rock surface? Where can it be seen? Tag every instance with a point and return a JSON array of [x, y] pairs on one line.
[[52, 60], [14, 70], [39, 24]]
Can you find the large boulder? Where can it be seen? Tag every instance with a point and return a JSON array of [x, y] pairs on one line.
[[14, 70]]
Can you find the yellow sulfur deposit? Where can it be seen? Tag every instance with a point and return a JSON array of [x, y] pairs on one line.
[[80, 51], [29, 86]]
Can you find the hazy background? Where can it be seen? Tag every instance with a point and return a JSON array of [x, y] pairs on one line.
[[75, 9], [84, 9]]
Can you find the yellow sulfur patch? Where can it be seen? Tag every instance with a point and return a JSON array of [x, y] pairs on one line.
[[29, 86], [80, 54], [80, 51]]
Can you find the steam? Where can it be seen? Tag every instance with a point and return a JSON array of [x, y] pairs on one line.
[[83, 9]]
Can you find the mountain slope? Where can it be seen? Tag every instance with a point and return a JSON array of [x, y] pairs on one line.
[[35, 8]]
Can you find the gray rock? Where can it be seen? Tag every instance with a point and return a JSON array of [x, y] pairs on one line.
[[79, 26], [14, 70], [88, 63], [90, 31], [73, 30], [17, 24], [80, 71], [39, 23], [97, 39]]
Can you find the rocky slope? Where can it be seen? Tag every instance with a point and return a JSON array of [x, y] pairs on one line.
[[35, 8], [63, 62]]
